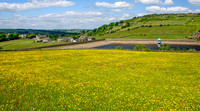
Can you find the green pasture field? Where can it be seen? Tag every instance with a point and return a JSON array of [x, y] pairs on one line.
[[19, 44], [164, 32], [105, 80]]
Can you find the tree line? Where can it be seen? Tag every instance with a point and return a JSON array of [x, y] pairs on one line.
[[13, 36]]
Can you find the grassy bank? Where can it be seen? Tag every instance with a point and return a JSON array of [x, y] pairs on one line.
[[99, 80], [163, 32], [19, 44]]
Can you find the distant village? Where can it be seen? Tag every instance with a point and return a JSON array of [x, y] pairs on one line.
[[45, 39]]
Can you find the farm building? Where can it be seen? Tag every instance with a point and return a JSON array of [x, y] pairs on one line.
[[7, 35], [91, 38], [23, 36], [83, 38], [65, 39], [42, 38], [196, 35]]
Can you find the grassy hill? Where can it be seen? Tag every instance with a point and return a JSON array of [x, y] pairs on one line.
[[104, 80], [165, 26], [20, 44]]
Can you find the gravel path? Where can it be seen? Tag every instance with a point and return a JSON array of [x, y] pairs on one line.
[[125, 41]]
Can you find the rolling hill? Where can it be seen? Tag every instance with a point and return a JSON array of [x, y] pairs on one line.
[[165, 26]]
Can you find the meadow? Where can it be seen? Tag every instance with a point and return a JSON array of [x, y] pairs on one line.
[[163, 32], [99, 80], [20, 44]]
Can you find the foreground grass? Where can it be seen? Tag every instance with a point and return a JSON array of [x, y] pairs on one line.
[[99, 80], [20, 44]]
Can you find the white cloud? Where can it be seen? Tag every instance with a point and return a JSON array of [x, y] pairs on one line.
[[197, 11], [142, 14], [156, 2], [194, 2], [168, 2], [35, 4], [117, 6], [65, 20], [157, 9]]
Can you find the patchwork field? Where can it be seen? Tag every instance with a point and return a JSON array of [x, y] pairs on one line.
[[164, 32], [99, 80]]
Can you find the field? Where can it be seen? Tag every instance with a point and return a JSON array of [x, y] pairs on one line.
[[174, 26], [164, 32], [99, 80], [18, 44]]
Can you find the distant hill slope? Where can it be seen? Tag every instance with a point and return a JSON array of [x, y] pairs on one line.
[[165, 26]]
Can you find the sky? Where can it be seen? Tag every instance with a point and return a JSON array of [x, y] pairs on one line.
[[83, 14]]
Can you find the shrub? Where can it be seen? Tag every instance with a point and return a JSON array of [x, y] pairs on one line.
[[164, 47], [178, 49], [184, 49], [141, 47], [1, 48], [192, 50], [119, 47]]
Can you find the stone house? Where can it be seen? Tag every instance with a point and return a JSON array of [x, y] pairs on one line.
[[83, 38], [42, 38], [7, 35], [23, 36], [65, 39], [196, 35], [122, 24], [91, 38]]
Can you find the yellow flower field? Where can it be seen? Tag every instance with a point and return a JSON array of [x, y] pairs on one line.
[[99, 80]]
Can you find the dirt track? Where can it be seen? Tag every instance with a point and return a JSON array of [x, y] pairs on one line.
[[126, 41]]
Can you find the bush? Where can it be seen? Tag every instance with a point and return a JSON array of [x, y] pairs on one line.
[[184, 49], [141, 47], [1, 48], [119, 47], [192, 50], [178, 49], [164, 47]]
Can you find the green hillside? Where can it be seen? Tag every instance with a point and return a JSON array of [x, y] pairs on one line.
[[165, 26]]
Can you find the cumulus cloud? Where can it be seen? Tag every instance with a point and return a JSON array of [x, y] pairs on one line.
[[194, 2], [34, 4], [156, 2], [117, 6], [197, 11], [157, 9], [65, 20], [168, 2], [142, 14]]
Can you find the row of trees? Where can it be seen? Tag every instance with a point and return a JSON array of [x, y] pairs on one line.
[[104, 29], [10, 37]]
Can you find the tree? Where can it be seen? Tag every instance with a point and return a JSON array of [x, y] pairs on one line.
[[117, 23], [112, 24], [89, 33], [83, 32], [121, 21], [2, 37], [30, 36]]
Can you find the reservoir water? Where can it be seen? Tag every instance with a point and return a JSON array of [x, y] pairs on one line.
[[151, 47]]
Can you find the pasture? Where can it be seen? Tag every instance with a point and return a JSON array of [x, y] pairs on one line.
[[99, 80], [20, 44], [163, 32]]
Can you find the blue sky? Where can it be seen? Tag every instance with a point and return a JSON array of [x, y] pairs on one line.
[[83, 14]]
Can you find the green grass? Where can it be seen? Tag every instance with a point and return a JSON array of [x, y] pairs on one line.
[[20, 44], [99, 80], [176, 26], [164, 32]]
